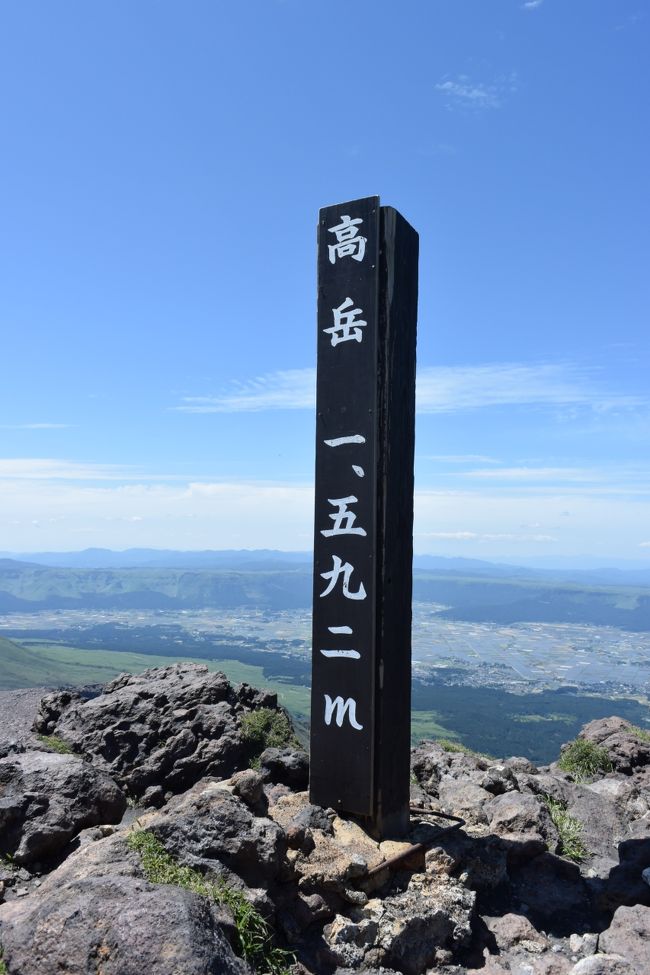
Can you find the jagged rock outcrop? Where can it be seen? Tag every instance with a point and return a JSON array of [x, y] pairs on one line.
[[159, 732], [629, 753], [498, 897]]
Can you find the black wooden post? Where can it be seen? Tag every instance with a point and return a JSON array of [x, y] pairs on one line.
[[361, 671]]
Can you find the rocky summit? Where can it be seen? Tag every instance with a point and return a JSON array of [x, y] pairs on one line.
[[161, 825]]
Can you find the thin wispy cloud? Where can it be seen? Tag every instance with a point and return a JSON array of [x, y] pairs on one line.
[[555, 474], [461, 459], [289, 389], [532, 4], [439, 389], [463, 92], [449, 389], [48, 468], [468, 536], [619, 478], [35, 426]]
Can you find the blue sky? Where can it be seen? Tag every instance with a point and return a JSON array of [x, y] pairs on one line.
[[161, 172]]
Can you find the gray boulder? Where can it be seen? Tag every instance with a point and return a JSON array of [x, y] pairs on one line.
[[287, 766], [603, 827], [116, 925], [464, 799], [514, 930], [430, 763], [523, 822], [629, 936], [210, 828], [603, 965], [159, 732], [47, 798]]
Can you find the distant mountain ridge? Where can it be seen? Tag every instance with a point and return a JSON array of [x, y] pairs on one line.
[[272, 559], [269, 585], [147, 558]]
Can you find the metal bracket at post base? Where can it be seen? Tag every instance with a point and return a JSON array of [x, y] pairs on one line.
[[395, 862]]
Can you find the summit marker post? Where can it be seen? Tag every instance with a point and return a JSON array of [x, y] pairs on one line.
[[363, 531]]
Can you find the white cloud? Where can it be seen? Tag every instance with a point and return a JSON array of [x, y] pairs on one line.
[[532, 4], [439, 389], [490, 521], [40, 514], [644, 544], [462, 92]]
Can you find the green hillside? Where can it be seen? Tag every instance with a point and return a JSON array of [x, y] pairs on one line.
[[22, 667], [52, 665]]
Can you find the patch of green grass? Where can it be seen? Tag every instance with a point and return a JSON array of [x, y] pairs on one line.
[[583, 760], [640, 732], [426, 724], [266, 728], [254, 935], [57, 744], [3, 967], [569, 829]]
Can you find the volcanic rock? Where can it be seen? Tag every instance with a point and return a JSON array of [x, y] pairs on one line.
[[47, 798], [211, 828], [116, 924], [161, 731]]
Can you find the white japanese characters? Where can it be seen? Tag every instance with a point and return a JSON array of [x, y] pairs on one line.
[[346, 570], [348, 324], [343, 519], [348, 243], [347, 327]]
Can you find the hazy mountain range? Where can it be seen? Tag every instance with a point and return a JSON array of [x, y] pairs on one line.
[[637, 574], [469, 589]]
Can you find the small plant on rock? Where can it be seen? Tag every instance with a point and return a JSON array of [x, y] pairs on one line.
[[569, 830], [56, 744], [449, 745], [266, 728], [640, 732], [583, 760], [254, 934], [3, 967]]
